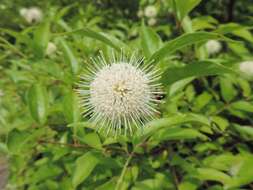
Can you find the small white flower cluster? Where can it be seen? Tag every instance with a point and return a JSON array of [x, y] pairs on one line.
[[213, 47], [120, 95], [32, 14], [150, 12], [246, 67]]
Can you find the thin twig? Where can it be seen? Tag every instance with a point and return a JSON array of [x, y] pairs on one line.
[[77, 145], [175, 177], [64, 144]]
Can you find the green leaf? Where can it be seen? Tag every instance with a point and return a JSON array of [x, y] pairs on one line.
[[16, 139], [92, 139], [245, 86], [202, 100], [93, 34], [188, 185], [245, 131], [179, 85], [41, 39], [221, 162], [69, 56], [199, 69], [243, 106], [177, 133], [38, 103], [209, 174], [109, 185], [44, 172], [221, 122], [156, 125], [242, 171], [184, 7], [150, 41], [19, 141], [84, 166], [70, 107], [228, 91], [237, 30], [181, 42]]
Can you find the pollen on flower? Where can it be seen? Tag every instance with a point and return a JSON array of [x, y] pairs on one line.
[[120, 95]]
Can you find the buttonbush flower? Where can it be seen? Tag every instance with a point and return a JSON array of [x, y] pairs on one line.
[[32, 14], [213, 47], [151, 21], [150, 11], [246, 68], [120, 95]]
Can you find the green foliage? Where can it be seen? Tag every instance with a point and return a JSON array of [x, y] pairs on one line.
[[202, 138]]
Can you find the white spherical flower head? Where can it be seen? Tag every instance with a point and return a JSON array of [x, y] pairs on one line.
[[121, 95], [32, 15], [151, 21], [51, 48], [213, 47], [150, 11], [246, 68]]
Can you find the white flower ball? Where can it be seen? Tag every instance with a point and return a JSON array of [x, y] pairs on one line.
[[246, 68], [151, 21], [213, 47], [31, 15], [51, 48], [150, 11], [120, 95]]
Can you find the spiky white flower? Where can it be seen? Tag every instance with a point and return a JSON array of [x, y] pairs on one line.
[[32, 14], [120, 95], [150, 11], [151, 21], [213, 47], [51, 48], [246, 68]]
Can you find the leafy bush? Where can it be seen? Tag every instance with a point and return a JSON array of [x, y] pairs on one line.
[[202, 138]]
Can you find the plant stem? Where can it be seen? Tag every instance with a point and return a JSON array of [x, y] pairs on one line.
[[124, 171]]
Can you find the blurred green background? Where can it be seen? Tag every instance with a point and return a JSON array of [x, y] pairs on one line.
[[201, 141]]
